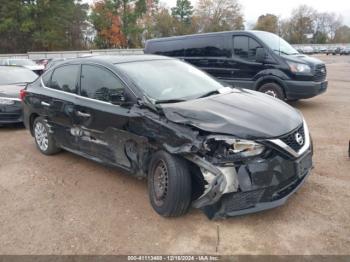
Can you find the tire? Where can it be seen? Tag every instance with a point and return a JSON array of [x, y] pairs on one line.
[[169, 185], [272, 89], [43, 139]]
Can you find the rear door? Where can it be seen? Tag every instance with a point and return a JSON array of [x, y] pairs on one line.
[[245, 67], [61, 88]]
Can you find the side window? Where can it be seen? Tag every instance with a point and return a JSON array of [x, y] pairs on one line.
[[167, 48], [64, 78], [99, 83], [253, 45], [46, 79], [245, 47], [240, 47], [206, 46]]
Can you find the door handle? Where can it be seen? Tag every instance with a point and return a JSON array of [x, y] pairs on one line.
[[45, 104], [86, 115]]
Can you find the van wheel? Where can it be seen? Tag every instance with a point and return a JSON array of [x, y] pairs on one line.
[[43, 139], [169, 185], [272, 89]]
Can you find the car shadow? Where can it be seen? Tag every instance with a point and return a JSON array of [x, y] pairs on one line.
[[306, 104], [10, 127]]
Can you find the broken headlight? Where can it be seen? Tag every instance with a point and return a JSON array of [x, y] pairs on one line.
[[232, 148]]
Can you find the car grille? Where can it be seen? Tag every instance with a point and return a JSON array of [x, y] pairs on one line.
[[320, 73], [242, 200], [291, 140]]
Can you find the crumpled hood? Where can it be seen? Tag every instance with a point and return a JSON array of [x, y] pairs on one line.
[[10, 90], [242, 113]]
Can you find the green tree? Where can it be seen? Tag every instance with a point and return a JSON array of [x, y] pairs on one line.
[[108, 15], [302, 24], [30, 25], [342, 35], [182, 11], [219, 15], [268, 22]]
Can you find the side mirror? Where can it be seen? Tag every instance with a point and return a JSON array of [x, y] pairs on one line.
[[117, 98], [260, 55]]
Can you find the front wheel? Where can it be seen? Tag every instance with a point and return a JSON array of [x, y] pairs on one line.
[[273, 89], [43, 139], [169, 185]]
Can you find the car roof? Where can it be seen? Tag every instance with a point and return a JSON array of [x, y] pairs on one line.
[[12, 67], [118, 59], [248, 32]]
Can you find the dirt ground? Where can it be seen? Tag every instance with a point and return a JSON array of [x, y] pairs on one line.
[[65, 204]]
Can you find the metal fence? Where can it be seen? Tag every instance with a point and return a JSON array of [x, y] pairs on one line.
[[71, 54]]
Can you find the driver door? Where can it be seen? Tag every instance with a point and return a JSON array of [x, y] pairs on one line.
[[98, 119]]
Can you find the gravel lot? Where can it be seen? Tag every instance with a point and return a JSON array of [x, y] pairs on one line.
[[65, 204]]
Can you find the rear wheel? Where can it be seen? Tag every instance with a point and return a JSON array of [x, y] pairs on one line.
[[43, 139], [273, 89], [169, 185]]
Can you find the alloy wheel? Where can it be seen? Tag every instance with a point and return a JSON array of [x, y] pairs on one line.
[[271, 92], [41, 136]]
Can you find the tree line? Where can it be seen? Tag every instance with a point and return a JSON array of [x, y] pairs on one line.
[[44, 25]]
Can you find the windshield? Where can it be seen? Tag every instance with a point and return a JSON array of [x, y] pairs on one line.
[[169, 79], [276, 43], [22, 62], [9, 75]]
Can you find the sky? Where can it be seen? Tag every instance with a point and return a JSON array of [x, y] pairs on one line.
[[252, 9]]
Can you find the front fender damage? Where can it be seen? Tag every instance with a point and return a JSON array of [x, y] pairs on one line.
[[220, 180], [188, 142]]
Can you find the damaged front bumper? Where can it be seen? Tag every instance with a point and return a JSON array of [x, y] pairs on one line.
[[261, 184]]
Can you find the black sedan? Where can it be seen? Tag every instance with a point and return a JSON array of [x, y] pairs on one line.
[[12, 80], [226, 151]]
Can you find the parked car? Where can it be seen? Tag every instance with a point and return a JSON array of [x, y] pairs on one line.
[[44, 62], [227, 151], [55, 61], [308, 50], [333, 51], [323, 50], [250, 59], [12, 80], [27, 63], [345, 51]]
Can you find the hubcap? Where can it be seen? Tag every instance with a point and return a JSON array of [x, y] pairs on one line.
[[41, 136], [160, 182], [271, 93]]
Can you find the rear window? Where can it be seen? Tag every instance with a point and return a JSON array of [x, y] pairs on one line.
[[16, 75], [65, 78]]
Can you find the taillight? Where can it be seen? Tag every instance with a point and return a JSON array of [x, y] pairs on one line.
[[22, 94]]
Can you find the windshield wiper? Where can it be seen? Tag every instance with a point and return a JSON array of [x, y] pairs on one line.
[[210, 93], [281, 52], [170, 101]]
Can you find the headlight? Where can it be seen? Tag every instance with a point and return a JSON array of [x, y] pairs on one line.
[[299, 68], [228, 147], [6, 101]]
